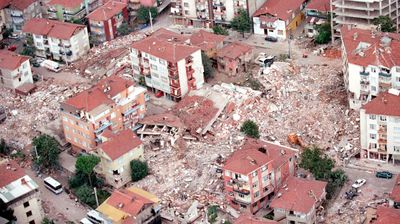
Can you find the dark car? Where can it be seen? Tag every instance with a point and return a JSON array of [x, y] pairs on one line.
[[12, 48], [271, 39], [351, 194], [384, 174], [34, 63]]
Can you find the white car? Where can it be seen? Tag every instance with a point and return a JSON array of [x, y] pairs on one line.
[[358, 183]]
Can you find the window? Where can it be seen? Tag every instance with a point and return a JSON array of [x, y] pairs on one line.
[[373, 145], [264, 168], [152, 58], [32, 222], [241, 195], [257, 194], [254, 173], [186, 12], [161, 61], [186, 4], [65, 118], [372, 126], [396, 148], [66, 128], [382, 118], [372, 136], [265, 178], [153, 67], [373, 88], [372, 116], [29, 214], [255, 185], [26, 204]]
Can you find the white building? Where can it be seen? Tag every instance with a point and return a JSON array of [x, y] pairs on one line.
[[371, 64], [170, 67], [380, 127], [20, 193], [58, 41], [15, 70], [19, 11]]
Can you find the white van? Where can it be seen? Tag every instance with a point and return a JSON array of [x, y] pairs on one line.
[[53, 185], [51, 65]]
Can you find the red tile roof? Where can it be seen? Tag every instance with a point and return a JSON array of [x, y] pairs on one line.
[[206, 40], [71, 4], [384, 104], [395, 194], [319, 5], [249, 219], [281, 9], [52, 28], [21, 4], [373, 53], [4, 3], [107, 11], [234, 50], [169, 51], [250, 156], [128, 201], [169, 35], [120, 143], [10, 60], [10, 171], [387, 215], [299, 195]]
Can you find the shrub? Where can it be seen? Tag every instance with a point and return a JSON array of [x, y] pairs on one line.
[[212, 213], [139, 170], [250, 128]]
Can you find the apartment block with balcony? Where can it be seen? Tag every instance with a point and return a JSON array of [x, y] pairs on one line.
[[380, 127], [371, 64], [105, 21], [67, 10], [15, 70], [112, 104], [169, 67], [57, 40], [255, 173], [20, 11], [20, 193]]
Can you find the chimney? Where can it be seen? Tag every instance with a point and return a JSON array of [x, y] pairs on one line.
[[121, 205], [283, 152], [8, 166], [355, 35], [384, 100], [23, 181]]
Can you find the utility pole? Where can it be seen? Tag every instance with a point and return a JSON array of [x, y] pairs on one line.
[[95, 195], [289, 52], [151, 21], [331, 15]]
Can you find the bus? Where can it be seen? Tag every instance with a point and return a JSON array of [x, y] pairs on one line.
[[53, 185]]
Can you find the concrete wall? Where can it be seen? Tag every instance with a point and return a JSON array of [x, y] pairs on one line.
[[33, 206]]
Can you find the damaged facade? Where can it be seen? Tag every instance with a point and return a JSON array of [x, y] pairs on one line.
[[234, 58], [15, 70]]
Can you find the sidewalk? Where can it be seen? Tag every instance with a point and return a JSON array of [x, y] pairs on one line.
[[373, 166]]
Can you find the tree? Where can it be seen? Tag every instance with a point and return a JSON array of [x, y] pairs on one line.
[[212, 213], [124, 29], [47, 221], [139, 169], [28, 51], [207, 64], [6, 212], [7, 33], [86, 164], [324, 33], [47, 151], [4, 149], [386, 24], [217, 29], [250, 128], [143, 14], [86, 195], [241, 22]]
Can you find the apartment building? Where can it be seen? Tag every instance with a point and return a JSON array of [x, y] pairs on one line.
[[3, 5], [247, 218], [380, 127], [20, 11], [169, 67], [255, 172], [20, 193], [371, 64], [67, 10], [363, 12], [234, 58], [113, 103], [131, 205], [298, 201], [394, 196], [57, 40], [278, 18], [317, 12], [105, 20], [15, 70], [116, 152], [206, 13]]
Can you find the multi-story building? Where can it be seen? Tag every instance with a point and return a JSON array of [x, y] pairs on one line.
[[20, 11], [380, 127], [371, 64], [298, 201], [113, 103], [255, 172], [394, 197], [3, 6], [169, 67], [317, 12], [363, 12], [105, 20], [66, 10], [57, 40], [209, 43], [234, 58], [20, 193], [277, 18], [206, 13], [116, 152], [15, 70]]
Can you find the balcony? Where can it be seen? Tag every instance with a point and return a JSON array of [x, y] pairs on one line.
[[241, 189], [103, 126], [385, 74], [382, 129], [382, 140], [173, 74], [132, 110], [172, 67], [239, 200], [364, 73], [176, 92], [174, 83], [97, 25]]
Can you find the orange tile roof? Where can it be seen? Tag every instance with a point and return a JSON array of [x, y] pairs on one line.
[[4, 3], [206, 40], [299, 195], [128, 201], [249, 219], [373, 53], [120, 143], [387, 215], [72, 4], [52, 28], [21, 4], [395, 194], [384, 104], [107, 11], [10, 60], [319, 5], [234, 50], [10, 171], [169, 35], [249, 158], [281, 9]]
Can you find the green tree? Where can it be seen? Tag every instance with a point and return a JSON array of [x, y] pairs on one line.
[[28, 51], [4, 149], [6, 212], [86, 195], [250, 128], [139, 169], [212, 213], [241, 22], [324, 33], [217, 29], [143, 14], [7, 33], [86, 164], [207, 64], [142, 81], [47, 150], [124, 29], [47, 221], [386, 24]]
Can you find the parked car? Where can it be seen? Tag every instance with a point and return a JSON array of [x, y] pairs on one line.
[[271, 39], [351, 194], [12, 48], [36, 77], [14, 36], [34, 62], [51, 65], [358, 183], [384, 174]]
